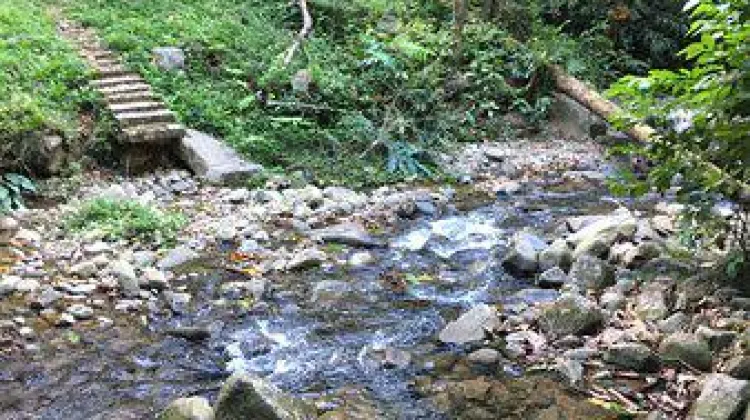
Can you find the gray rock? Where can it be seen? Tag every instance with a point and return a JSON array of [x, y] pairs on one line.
[[590, 272], [177, 257], [243, 395], [360, 259], [190, 408], [651, 303], [484, 356], [80, 311], [396, 358], [571, 369], [327, 292], [154, 279], [523, 253], [126, 277], [688, 348], [96, 248], [634, 356], [717, 339], [558, 254], [581, 353], [209, 158], [612, 300], [169, 58], [471, 326], [738, 367], [46, 298], [8, 229], [178, 302], [348, 234], [8, 284], [307, 258], [554, 277], [84, 269], [722, 398], [571, 315], [27, 286], [597, 238], [676, 322], [643, 252]]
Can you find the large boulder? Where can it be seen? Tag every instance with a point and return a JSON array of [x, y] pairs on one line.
[[558, 254], [722, 398], [634, 356], [651, 304], [522, 257], [590, 272], [192, 408], [471, 326], [598, 237], [246, 397], [688, 348], [348, 234], [571, 315]]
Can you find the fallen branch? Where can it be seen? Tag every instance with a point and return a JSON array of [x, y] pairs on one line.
[[307, 24], [605, 108]]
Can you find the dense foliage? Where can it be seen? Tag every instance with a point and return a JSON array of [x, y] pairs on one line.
[[375, 88], [702, 113], [42, 83]]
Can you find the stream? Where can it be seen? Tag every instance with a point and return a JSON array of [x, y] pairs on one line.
[[351, 338]]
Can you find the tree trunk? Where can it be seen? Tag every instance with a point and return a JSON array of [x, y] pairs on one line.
[[307, 24]]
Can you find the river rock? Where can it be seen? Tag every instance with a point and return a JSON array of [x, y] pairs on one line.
[[722, 398], [244, 396], [8, 229], [126, 277], [8, 284], [306, 258], [396, 358], [717, 339], [688, 348], [178, 301], [634, 356], [177, 257], [554, 277], [154, 279], [570, 369], [471, 326], [612, 300], [571, 314], [676, 322], [484, 356], [738, 367], [84, 269], [651, 303], [81, 312], [644, 251], [558, 254], [360, 259], [352, 234], [190, 408], [597, 237], [590, 272], [523, 253], [327, 292]]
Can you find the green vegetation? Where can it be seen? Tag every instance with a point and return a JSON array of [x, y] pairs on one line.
[[125, 219], [702, 117], [368, 98], [12, 188], [42, 84]]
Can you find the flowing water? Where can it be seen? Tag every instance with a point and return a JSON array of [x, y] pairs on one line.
[[316, 340]]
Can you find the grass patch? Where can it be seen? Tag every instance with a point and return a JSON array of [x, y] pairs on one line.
[[42, 82], [126, 219]]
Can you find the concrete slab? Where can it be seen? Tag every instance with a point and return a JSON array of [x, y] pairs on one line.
[[214, 161]]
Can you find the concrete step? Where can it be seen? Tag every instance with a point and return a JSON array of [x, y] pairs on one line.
[[112, 71], [128, 97], [106, 62], [128, 79], [210, 158], [136, 107], [115, 90], [131, 119], [153, 133]]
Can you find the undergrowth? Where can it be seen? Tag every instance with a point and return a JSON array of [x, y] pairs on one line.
[[372, 94], [125, 219], [42, 83]]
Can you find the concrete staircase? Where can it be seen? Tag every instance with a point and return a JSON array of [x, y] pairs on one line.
[[147, 127]]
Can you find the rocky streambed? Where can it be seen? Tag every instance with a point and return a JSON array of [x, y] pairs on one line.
[[530, 294]]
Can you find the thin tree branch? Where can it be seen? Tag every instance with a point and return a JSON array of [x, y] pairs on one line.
[[307, 24]]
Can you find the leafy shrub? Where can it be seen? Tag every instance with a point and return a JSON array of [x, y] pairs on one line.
[[12, 188], [42, 83], [702, 113], [125, 219]]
